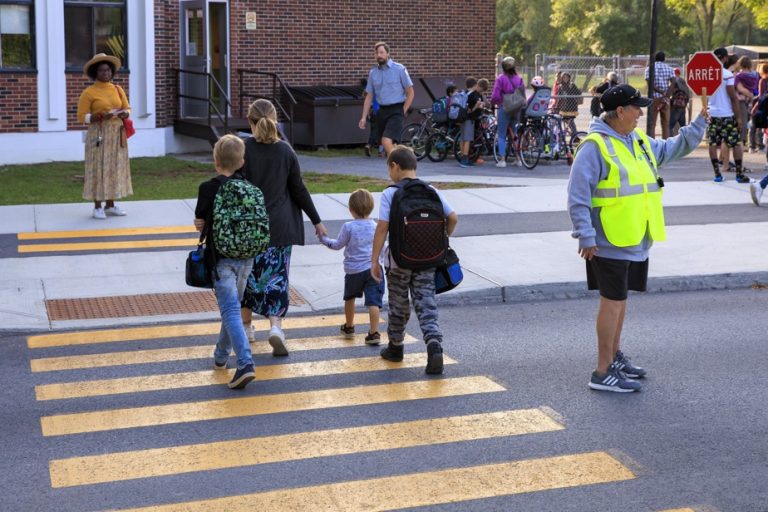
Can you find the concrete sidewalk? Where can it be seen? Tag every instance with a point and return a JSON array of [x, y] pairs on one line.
[[510, 267]]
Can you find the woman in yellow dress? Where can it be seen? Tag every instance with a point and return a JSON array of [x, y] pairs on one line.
[[103, 106]]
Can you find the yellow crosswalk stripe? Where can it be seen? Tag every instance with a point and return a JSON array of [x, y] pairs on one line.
[[428, 488], [176, 460], [162, 355], [678, 510], [115, 419], [212, 377], [170, 331], [97, 233], [108, 246]]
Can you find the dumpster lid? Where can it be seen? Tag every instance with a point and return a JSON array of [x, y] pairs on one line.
[[328, 92]]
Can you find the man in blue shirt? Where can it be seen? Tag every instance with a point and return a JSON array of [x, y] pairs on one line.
[[391, 85]]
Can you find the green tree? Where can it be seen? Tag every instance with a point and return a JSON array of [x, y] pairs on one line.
[[523, 29], [717, 22]]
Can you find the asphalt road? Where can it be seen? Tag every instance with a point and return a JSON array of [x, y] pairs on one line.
[[695, 436]]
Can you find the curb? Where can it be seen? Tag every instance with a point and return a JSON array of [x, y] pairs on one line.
[[494, 295]]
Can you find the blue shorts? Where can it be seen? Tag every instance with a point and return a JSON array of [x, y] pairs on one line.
[[355, 285]]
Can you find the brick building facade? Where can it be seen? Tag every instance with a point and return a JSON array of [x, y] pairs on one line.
[[308, 42]]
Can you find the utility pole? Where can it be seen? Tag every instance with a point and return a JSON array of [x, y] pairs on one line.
[[651, 63]]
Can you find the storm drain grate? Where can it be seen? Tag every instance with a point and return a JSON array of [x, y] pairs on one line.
[[150, 304]]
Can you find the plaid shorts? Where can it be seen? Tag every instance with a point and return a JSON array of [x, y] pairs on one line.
[[723, 129]]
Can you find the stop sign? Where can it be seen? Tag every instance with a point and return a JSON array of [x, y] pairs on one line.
[[704, 73]]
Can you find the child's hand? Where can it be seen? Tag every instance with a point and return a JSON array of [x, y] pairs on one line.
[[199, 224], [376, 271]]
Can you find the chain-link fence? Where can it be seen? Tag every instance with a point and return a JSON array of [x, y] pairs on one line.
[[587, 72]]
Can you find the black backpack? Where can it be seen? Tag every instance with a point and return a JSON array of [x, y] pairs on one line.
[[418, 238], [760, 117]]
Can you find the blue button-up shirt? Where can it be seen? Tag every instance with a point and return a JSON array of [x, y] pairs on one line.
[[388, 83]]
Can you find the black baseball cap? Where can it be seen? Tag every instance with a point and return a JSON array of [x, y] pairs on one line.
[[720, 52], [621, 96]]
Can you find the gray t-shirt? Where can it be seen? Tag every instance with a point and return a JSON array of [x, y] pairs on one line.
[[356, 237]]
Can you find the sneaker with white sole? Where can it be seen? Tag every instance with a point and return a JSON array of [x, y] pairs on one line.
[[627, 368], [250, 332], [277, 341], [98, 213], [756, 191], [219, 366], [501, 163], [614, 380], [115, 211], [242, 377]]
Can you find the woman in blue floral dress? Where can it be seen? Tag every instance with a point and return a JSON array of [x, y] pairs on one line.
[[271, 165]]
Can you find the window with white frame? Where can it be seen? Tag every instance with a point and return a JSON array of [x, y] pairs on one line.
[[94, 26], [16, 40]]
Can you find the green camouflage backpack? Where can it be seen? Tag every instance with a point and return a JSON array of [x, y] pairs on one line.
[[240, 221]]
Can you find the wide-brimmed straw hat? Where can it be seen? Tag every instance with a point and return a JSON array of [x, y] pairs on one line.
[[99, 58]]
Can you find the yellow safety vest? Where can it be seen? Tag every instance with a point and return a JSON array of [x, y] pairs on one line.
[[630, 197]]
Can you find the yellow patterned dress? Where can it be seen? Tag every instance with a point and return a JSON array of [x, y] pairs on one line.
[[107, 169]]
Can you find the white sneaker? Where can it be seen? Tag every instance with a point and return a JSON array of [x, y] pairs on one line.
[[98, 213], [277, 340], [250, 332], [501, 163], [115, 211], [756, 191]]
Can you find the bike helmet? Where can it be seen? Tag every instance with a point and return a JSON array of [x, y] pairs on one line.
[[537, 81]]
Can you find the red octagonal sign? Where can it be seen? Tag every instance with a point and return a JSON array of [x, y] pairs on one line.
[[704, 73]]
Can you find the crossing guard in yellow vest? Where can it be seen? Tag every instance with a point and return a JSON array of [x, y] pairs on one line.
[[615, 204]]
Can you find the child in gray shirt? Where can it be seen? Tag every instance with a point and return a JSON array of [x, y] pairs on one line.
[[356, 237]]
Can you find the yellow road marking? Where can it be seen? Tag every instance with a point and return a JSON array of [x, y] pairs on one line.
[[678, 510], [114, 467], [212, 377], [95, 233], [170, 331], [161, 355], [115, 419], [103, 246], [429, 488]]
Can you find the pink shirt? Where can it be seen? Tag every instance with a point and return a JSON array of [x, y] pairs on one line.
[[505, 84]]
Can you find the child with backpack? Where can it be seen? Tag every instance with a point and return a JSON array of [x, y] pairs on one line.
[[417, 221], [679, 95], [230, 247], [356, 237]]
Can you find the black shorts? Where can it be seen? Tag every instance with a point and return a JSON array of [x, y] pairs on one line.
[[355, 285], [389, 121], [614, 278]]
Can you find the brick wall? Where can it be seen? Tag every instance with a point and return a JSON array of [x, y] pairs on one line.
[[18, 102], [314, 42], [166, 59]]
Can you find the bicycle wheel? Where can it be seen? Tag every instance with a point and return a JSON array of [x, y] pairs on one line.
[[438, 146], [509, 149], [576, 139], [474, 150], [531, 142], [415, 136]]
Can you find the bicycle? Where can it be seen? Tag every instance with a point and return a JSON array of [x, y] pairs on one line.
[[416, 135], [441, 141], [483, 142], [545, 137], [512, 146]]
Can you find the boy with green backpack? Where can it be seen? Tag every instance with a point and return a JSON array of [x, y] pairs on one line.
[[232, 212]]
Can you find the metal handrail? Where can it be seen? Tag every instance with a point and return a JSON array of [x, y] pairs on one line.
[[275, 99], [224, 118]]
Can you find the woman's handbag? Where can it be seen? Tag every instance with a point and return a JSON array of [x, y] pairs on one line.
[[127, 122], [129, 129], [449, 275], [197, 273], [514, 101]]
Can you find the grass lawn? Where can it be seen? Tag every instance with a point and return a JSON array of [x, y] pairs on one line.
[[153, 178]]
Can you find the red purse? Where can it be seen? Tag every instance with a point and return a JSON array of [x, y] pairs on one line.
[[129, 129], [127, 122]]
